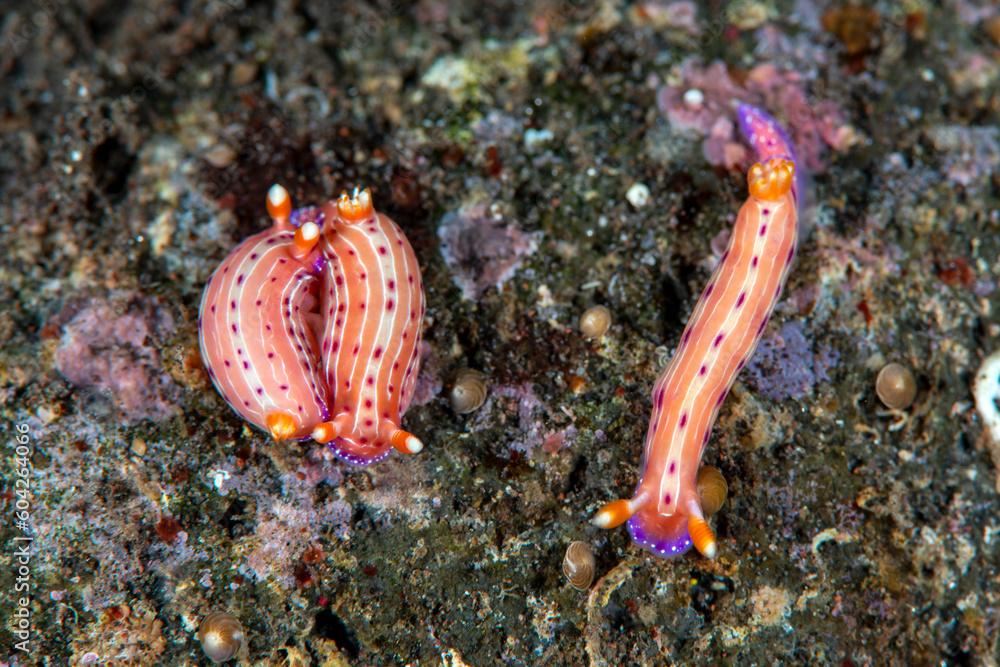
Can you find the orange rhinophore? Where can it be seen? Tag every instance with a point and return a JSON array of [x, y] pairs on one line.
[[665, 514]]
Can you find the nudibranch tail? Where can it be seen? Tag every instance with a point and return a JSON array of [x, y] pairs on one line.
[[662, 535]]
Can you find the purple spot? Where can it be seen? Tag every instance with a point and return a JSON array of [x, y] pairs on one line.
[[767, 211], [259, 302], [260, 392], [378, 352], [705, 439], [741, 299], [227, 363], [684, 420], [708, 290], [284, 387], [233, 327], [253, 256], [246, 365], [717, 341], [686, 337], [673, 467], [388, 306], [763, 229], [239, 279], [753, 262], [702, 370], [666, 499], [213, 308]]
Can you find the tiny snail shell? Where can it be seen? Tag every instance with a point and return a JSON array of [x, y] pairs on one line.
[[896, 386], [712, 489], [578, 565], [469, 391], [595, 321], [221, 636]]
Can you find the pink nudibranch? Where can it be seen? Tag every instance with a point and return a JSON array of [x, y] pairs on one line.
[[312, 327], [665, 514]]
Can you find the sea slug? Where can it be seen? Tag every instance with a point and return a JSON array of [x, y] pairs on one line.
[[311, 327], [665, 515]]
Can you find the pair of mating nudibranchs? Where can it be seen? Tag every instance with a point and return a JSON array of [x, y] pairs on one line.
[[311, 329]]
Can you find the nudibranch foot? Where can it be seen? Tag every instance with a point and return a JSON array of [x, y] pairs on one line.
[[660, 534]]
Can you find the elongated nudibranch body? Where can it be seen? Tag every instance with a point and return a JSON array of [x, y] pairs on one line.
[[665, 515], [312, 327]]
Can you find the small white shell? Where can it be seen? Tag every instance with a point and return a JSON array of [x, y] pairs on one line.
[[578, 565], [468, 392]]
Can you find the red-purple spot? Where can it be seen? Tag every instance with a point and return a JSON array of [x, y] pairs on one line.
[[253, 255], [708, 290], [362, 305], [666, 499], [388, 306], [767, 211], [686, 337], [356, 348], [392, 284], [753, 262], [702, 370], [717, 341], [259, 302], [284, 387], [340, 308], [673, 467], [227, 363], [233, 327], [260, 392], [213, 308], [339, 280], [246, 365], [763, 230], [369, 422], [368, 404], [371, 380], [239, 279], [741, 299], [382, 250], [335, 346], [684, 420], [378, 352]]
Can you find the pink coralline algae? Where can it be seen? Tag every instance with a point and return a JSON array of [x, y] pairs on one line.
[[703, 102], [481, 248], [786, 365], [109, 346]]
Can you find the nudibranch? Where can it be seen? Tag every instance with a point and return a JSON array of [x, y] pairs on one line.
[[312, 327], [665, 514]]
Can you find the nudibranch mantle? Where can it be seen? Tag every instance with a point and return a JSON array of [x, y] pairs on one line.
[[312, 327], [665, 514]]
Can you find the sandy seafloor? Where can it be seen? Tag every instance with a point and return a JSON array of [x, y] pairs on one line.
[[542, 158]]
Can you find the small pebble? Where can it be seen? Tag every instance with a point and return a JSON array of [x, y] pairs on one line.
[[896, 386], [638, 195], [220, 156]]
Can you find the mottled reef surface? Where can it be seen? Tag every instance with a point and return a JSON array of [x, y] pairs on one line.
[[542, 158]]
